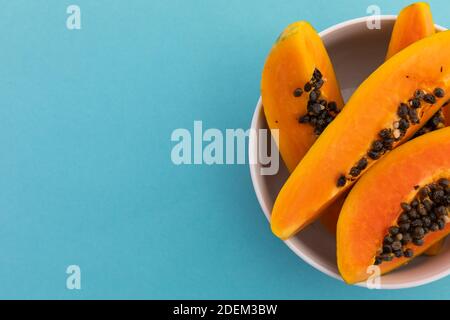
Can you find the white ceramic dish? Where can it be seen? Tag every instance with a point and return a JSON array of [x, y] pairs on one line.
[[355, 52]]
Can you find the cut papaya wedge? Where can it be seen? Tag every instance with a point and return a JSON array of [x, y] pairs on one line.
[[417, 79], [298, 69], [400, 205], [413, 23]]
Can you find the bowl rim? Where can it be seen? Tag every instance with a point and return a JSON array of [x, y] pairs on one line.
[[255, 177]]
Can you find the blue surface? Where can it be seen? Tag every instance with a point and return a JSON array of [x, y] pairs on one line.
[[86, 176]]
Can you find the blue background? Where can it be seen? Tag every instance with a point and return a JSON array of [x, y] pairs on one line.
[[86, 175]]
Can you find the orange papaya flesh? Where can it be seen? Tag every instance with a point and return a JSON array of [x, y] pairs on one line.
[[374, 204], [291, 64], [446, 111], [413, 23], [373, 107], [330, 216], [435, 249]]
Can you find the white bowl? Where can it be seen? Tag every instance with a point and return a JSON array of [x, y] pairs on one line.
[[355, 51]]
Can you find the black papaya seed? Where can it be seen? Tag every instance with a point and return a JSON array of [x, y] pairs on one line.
[[342, 180], [386, 133], [362, 164], [317, 74], [307, 87], [394, 230], [377, 145], [419, 94], [332, 106], [298, 92], [398, 253], [402, 110], [439, 92], [408, 253], [355, 171], [415, 103], [374, 155], [405, 206], [429, 98], [319, 84]]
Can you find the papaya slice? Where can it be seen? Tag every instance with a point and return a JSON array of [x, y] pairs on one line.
[[385, 111], [401, 205], [297, 79], [413, 23]]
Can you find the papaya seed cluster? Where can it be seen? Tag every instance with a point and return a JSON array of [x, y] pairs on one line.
[[436, 122], [320, 112], [427, 212], [407, 116]]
